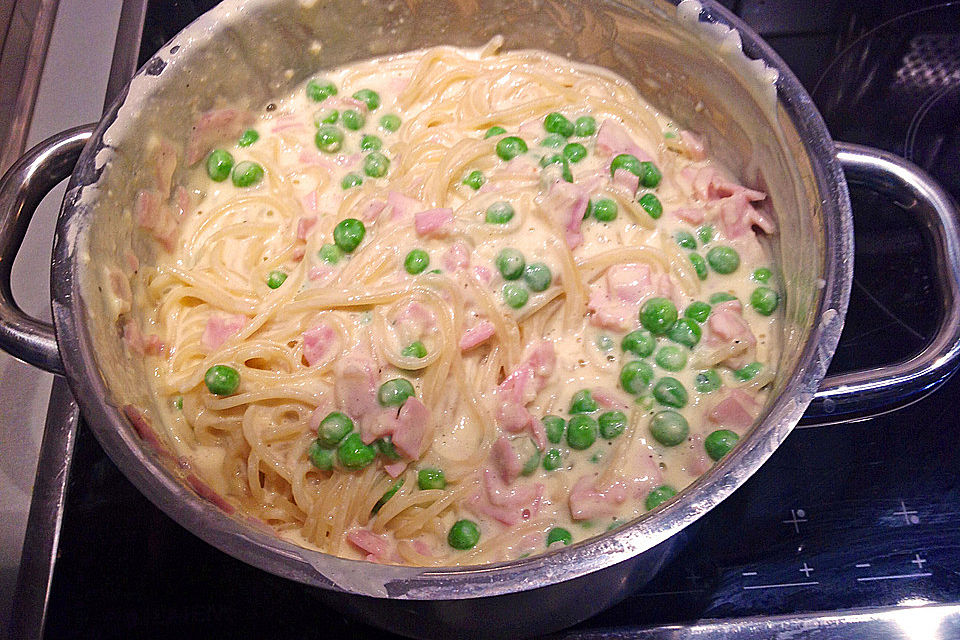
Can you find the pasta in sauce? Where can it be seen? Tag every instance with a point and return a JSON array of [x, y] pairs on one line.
[[456, 306]]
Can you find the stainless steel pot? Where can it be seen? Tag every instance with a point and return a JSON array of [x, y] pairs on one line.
[[685, 61]]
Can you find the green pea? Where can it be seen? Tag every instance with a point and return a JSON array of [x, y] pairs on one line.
[[369, 97], [627, 162], [389, 493], [319, 457], [464, 534], [669, 428], [561, 161], [761, 275], [705, 233], [474, 179], [612, 424], [350, 181], [559, 534], [707, 381], [686, 332], [370, 143], [416, 261], [510, 147], [723, 259], [635, 376], [698, 311], [330, 253], [333, 429], [554, 426], [431, 478], [553, 141], [320, 90], [353, 119], [248, 137], [329, 138], [353, 454], [721, 297], [219, 164], [686, 240], [582, 402], [275, 279], [385, 447], [764, 300], [559, 124], [585, 126], [719, 443], [639, 342], [510, 263], [494, 131], [604, 210], [552, 459], [574, 152], [581, 432], [650, 176], [390, 122], [537, 276], [178, 403], [414, 350], [246, 174], [499, 213], [699, 265], [376, 164], [515, 295], [658, 315], [658, 496], [393, 393], [671, 358], [533, 460], [748, 372], [326, 116], [651, 204], [670, 392], [348, 234], [222, 380]]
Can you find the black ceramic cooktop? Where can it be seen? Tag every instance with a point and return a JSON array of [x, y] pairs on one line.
[[846, 516]]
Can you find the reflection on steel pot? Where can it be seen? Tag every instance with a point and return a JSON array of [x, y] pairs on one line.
[[687, 62]]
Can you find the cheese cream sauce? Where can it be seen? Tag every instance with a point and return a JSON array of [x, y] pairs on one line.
[[452, 306]]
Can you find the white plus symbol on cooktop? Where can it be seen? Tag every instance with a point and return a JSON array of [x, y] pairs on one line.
[[917, 560], [909, 515], [805, 570], [796, 517]]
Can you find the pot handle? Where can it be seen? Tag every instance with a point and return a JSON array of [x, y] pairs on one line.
[[869, 392], [21, 189]]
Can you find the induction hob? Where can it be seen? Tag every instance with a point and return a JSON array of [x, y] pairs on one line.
[[846, 527]]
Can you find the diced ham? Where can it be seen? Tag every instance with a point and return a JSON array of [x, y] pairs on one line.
[[131, 260], [152, 215], [288, 123], [120, 288], [321, 273], [317, 343], [611, 398], [219, 329], [588, 501], [613, 139], [626, 179], [727, 328], [355, 384], [508, 505], [163, 159], [402, 205], [569, 202], [182, 198], [456, 257], [630, 282], [373, 210], [615, 302], [412, 425], [379, 548], [521, 387], [477, 335], [214, 127], [506, 460], [696, 461], [309, 205], [736, 411], [710, 183], [434, 222], [138, 343], [395, 468], [738, 216], [693, 146], [484, 275], [304, 226], [692, 215]]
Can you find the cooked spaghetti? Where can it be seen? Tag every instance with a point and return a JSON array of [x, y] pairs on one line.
[[453, 306]]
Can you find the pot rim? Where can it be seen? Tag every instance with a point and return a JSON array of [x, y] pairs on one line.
[[262, 548]]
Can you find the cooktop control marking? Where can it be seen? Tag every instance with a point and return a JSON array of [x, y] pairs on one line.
[[748, 587], [909, 515], [805, 570], [897, 577], [862, 565], [749, 573], [917, 560], [796, 517]]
